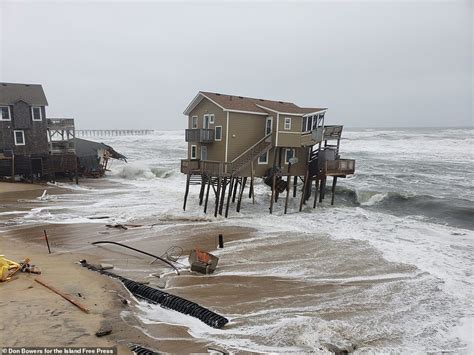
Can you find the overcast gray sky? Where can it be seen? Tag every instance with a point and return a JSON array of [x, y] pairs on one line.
[[138, 64]]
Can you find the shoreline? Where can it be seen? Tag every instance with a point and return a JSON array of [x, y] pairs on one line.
[[41, 308], [253, 277]]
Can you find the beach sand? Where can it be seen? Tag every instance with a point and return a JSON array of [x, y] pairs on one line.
[[35, 316], [238, 290]]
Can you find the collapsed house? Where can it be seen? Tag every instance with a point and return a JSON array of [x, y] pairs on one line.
[[33, 147], [93, 157]]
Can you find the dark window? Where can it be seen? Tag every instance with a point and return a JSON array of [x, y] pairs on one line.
[[303, 127], [263, 159], [218, 135], [310, 122], [290, 153], [36, 113], [4, 113], [19, 138]]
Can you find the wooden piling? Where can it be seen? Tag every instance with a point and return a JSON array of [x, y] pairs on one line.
[[186, 192], [321, 189], [201, 191], [316, 183], [221, 204], [295, 182], [287, 192], [207, 193], [241, 192], [235, 189], [303, 193], [229, 195], [219, 182], [273, 192], [333, 190]]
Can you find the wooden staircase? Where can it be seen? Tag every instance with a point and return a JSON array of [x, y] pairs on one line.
[[251, 154]]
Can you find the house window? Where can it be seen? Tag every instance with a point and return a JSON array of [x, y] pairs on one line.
[[218, 133], [303, 126], [5, 113], [263, 159], [211, 118], [36, 113], [287, 125], [19, 137], [268, 125], [193, 152], [309, 123], [194, 122], [289, 153]]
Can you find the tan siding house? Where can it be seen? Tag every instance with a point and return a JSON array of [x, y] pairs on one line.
[[235, 138]]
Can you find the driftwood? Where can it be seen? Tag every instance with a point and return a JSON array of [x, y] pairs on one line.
[[63, 295]]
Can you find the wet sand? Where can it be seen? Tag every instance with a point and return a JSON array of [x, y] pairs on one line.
[[46, 314], [249, 287]]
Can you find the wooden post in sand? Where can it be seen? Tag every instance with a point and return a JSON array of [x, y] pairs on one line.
[[47, 241]]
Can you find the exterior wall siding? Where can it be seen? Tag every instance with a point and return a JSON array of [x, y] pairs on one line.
[[36, 140], [215, 150], [292, 137]]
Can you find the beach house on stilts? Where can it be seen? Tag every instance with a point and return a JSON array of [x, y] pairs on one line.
[[232, 140]]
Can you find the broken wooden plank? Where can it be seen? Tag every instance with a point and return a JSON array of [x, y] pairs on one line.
[[63, 295]]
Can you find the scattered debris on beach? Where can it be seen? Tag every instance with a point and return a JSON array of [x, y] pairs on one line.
[[105, 329], [138, 251], [9, 268], [202, 262], [63, 295]]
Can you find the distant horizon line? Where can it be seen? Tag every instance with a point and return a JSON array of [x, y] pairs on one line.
[[347, 127]]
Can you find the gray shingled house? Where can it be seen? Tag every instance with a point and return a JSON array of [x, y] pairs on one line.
[[31, 145]]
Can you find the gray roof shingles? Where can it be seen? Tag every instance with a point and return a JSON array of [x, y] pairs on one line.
[[32, 94], [241, 103]]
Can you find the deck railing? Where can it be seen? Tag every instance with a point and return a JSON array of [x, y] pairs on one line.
[[340, 167], [60, 123], [62, 147], [200, 135], [332, 132]]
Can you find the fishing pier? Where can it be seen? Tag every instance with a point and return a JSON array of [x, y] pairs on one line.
[[113, 132]]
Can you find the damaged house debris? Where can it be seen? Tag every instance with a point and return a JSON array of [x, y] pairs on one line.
[[33, 147], [233, 139], [93, 157]]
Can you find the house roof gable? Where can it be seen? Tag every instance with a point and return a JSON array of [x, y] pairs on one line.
[[33, 94], [249, 104]]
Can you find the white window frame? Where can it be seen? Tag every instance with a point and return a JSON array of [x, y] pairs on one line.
[[266, 159], [9, 114], [23, 136], [270, 118], [215, 133], [211, 118], [33, 116], [194, 121], [194, 156], [286, 154], [287, 124]]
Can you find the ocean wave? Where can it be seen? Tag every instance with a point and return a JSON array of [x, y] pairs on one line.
[[452, 211], [139, 171]]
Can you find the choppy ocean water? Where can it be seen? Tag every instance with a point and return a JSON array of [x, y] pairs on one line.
[[411, 202]]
